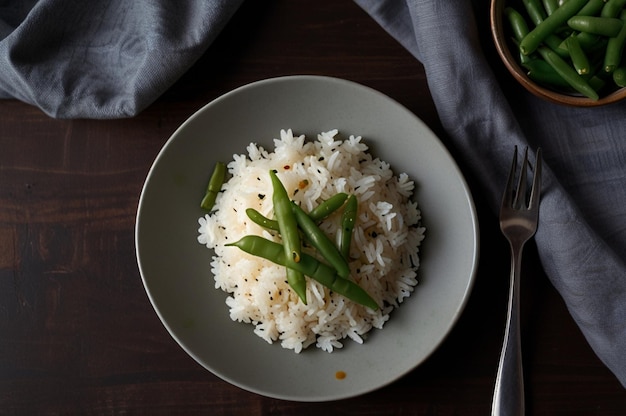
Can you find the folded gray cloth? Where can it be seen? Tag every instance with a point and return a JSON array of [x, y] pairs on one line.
[[103, 59], [582, 229]]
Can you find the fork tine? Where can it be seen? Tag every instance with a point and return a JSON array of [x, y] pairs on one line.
[[520, 193], [536, 190], [507, 198]]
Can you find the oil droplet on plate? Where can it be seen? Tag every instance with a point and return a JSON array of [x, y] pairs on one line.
[[340, 375]]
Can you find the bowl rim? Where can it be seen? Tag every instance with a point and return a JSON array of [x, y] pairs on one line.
[[176, 175], [499, 39]]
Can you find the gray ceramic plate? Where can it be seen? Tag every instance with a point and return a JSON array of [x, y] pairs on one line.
[[175, 267]]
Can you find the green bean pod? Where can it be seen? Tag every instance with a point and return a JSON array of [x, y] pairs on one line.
[[619, 76], [327, 207], [348, 220], [318, 239], [309, 266], [602, 26], [578, 56], [543, 73], [295, 279], [517, 23], [592, 8], [550, 6], [531, 42], [215, 185], [318, 213], [596, 82], [612, 8], [591, 43], [286, 220], [288, 232], [554, 42], [567, 72], [262, 220], [534, 11], [537, 15], [586, 41], [615, 47]]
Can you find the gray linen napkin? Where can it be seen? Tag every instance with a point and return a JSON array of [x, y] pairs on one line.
[[582, 231], [104, 59]]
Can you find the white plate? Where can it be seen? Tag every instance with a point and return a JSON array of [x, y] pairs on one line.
[[175, 267]]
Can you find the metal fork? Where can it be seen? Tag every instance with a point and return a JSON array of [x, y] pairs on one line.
[[518, 222]]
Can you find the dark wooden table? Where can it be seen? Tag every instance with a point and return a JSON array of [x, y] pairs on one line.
[[78, 334]]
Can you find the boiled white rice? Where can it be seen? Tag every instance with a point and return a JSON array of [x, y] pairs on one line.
[[384, 253]]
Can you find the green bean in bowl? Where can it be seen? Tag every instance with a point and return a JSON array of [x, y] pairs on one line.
[[566, 51]]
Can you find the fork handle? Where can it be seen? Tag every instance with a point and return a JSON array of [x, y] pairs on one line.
[[508, 397]]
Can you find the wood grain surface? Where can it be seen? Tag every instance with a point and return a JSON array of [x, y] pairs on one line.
[[78, 334]]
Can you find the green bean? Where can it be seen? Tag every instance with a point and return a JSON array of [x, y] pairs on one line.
[[535, 37], [325, 208], [215, 185], [596, 58], [296, 280], [318, 239], [603, 26], [318, 213], [289, 233], [294, 277], [586, 41], [612, 8], [517, 23], [568, 73], [534, 11], [619, 76], [578, 56], [543, 73], [522, 58], [554, 42], [590, 42], [286, 220], [596, 82], [348, 219], [309, 266], [262, 220], [614, 47], [537, 16], [550, 6], [592, 8]]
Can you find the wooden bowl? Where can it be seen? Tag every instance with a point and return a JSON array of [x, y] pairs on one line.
[[503, 45]]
